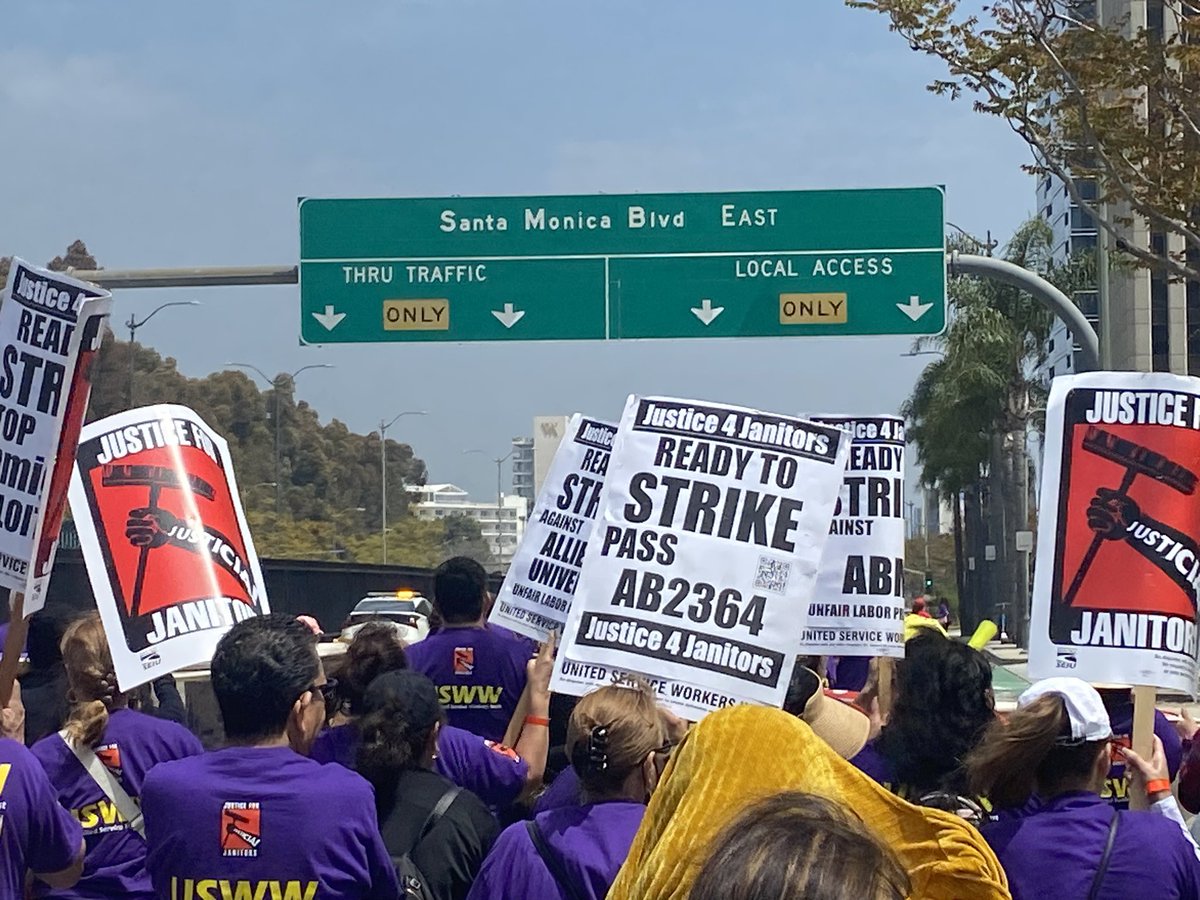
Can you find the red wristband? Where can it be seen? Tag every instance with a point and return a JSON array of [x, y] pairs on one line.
[[1157, 786], [537, 720]]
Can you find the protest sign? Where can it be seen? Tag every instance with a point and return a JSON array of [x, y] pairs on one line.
[[858, 606], [541, 580], [705, 551], [1118, 566], [164, 538], [50, 330]]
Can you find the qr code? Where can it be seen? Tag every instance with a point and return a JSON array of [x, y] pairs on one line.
[[772, 575]]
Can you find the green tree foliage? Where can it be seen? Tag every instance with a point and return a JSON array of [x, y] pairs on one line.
[[328, 483], [1108, 100]]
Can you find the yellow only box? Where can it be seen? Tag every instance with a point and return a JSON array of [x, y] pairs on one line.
[[812, 309], [416, 315]]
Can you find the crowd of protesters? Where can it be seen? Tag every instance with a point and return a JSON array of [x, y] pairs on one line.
[[445, 769]]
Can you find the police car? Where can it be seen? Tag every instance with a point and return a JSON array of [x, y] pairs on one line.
[[408, 611]]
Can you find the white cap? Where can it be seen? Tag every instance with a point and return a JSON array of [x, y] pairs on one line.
[[1085, 709]]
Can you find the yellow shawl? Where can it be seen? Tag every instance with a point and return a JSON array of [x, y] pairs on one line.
[[741, 754]]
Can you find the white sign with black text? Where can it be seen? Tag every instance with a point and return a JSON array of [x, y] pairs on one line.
[[858, 607], [544, 573], [706, 548], [50, 330]]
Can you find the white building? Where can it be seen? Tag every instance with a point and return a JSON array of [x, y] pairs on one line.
[[502, 526], [522, 469], [548, 432]]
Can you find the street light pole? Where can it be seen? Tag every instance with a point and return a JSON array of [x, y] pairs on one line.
[[383, 495], [274, 383], [133, 325]]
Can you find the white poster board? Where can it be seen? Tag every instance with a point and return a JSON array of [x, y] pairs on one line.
[[706, 549], [168, 553], [536, 595], [858, 607], [50, 331], [1118, 561]]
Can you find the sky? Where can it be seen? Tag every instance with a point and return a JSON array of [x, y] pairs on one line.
[[169, 135]]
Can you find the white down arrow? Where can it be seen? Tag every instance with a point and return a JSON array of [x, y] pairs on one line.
[[706, 312]]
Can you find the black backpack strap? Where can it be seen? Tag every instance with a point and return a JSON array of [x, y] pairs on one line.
[[1105, 858], [439, 809], [553, 863]]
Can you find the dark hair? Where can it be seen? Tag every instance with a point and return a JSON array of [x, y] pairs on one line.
[[261, 666], [943, 706], [401, 710], [459, 589], [1032, 751], [46, 629], [804, 685], [797, 845], [375, 649]]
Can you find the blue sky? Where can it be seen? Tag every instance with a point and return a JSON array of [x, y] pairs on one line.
[[169, 135]]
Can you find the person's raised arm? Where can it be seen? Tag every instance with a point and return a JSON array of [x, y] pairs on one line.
[[533, 745], [1151, 776]]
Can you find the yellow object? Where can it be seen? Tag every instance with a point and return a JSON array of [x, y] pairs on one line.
[[812, 309], [741, 754], [405, 594], [416, 315], [913, 623], [983, 634]]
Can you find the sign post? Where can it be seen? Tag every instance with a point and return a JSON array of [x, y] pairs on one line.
[[618, 267]]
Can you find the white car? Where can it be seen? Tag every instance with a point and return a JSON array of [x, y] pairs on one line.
[[407, 611]]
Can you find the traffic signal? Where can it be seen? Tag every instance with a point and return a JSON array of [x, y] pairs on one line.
[[928, 582]]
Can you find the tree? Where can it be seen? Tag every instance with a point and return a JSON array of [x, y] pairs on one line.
[[1110, 108], [971, 411]]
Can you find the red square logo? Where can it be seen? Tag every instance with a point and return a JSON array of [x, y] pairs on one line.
[[464, 660], [241, 829]]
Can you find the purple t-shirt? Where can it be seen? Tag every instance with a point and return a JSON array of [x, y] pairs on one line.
[[1116, 786], [1055, 852], [491, 771], [479, 673], [591, 842], [132, 744], [263, 821], [37, 833], [565, 790], [850, 673]]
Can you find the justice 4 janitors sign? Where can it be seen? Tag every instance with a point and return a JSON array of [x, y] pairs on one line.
[[50, 331], [858, 606], [1118, 563], [541, 581], [706, 549], [164, 538]]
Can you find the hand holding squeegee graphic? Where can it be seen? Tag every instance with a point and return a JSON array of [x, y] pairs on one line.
[[1136, 460], [155, 478]]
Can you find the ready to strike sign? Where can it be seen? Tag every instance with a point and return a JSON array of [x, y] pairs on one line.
[[541, 581], [1118, 572], [706, 549], [50, 332], [858, 606]]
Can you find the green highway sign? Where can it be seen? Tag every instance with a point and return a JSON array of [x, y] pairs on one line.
[[622, 266]]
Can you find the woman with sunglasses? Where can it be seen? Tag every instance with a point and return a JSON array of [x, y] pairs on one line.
[[618, 746], [1049, 760]]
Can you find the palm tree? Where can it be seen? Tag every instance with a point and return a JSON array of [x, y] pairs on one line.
[[971, 411]]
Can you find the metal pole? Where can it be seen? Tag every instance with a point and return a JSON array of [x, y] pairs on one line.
[[132, 335], [204, 276], [383, 486], [1103, 306], [1050, 296], [278, 434]]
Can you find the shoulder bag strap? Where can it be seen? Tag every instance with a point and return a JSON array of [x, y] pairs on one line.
[[1104, 860], [107, 782], [439, 809], [565, 883]]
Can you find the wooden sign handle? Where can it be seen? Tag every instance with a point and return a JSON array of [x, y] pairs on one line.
[[1144, 697]]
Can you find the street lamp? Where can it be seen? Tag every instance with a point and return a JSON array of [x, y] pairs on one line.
[[987, 246], [383, 497], [499, 461], [274, 383], [133, 325]]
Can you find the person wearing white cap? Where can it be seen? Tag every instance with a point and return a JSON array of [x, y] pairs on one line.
[[1050, 760]]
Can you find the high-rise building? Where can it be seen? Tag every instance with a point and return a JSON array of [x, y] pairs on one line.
[[522, 469], [502, 526], [1150, 313]]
